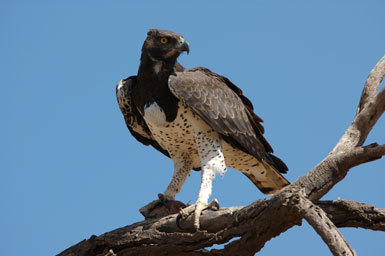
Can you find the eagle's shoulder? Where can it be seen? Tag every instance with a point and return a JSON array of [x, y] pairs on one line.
[[222, 105], [134, 120], [225, 81]]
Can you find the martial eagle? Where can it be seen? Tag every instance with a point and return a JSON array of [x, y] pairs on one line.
[[199, 119]]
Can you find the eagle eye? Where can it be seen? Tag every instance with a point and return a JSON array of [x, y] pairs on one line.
[[164, 40]]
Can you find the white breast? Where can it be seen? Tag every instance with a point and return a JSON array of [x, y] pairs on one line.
[[154, 115]]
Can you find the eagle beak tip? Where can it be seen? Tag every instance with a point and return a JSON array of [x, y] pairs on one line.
[[185, 47]]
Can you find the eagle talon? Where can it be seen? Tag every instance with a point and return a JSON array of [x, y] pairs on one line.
[[214, 204], [196, 209], [178, 218]]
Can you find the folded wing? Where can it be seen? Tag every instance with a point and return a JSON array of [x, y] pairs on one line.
[[134, 120], [222, 105]]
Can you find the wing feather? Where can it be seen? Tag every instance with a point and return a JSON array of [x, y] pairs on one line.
[[222, 106]]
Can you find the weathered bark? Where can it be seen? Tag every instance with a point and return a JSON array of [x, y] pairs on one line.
[[154, 236], [347, 213], [257, 223], [329, 233], [369, 110], [372, 84]]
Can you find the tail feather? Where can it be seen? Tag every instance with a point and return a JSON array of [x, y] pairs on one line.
[[266, 178], [265, 173], [278, 164]]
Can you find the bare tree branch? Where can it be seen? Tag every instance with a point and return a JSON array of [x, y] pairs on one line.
[[163, 234], [372, 84], [334, 168], [329, 233], [370, 108], [347, 213]]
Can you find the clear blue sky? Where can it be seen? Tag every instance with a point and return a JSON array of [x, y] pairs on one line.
[[68, 165]]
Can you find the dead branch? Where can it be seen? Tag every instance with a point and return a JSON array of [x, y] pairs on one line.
[[347, 213], [372, 84], [257, 223], [369, 110], [153, 236], [318, 181], [329, 233]]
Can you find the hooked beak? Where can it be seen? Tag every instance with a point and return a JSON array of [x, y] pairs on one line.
[[184, 46]]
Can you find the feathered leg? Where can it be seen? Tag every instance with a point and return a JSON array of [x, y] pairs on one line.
[[182, 167], [212, 162]]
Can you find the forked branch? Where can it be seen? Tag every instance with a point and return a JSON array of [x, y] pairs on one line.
[[370, 108], [347, 213], [154, 236], [329, 233]]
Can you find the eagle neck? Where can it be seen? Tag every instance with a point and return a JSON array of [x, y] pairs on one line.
[[158, 69], [153, 86]]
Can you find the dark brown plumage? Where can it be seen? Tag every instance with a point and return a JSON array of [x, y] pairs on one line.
[[223, 106]]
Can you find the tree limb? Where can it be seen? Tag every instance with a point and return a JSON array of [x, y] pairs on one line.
[[372, 84], [318, 181], [148, 237], [347, 213], [370, 108], [329, 233]]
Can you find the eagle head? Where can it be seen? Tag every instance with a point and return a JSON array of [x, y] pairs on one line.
[[164, 45]]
